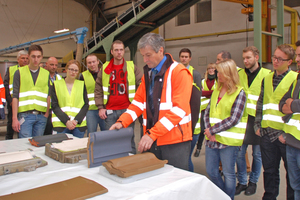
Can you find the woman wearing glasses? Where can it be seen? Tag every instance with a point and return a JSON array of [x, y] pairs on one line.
[[225, 127], [70, 102]]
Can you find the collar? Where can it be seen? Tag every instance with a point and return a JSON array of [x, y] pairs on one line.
[[109, 67], [158, 67]]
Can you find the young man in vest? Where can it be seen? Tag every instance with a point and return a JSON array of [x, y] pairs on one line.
[[164, 100], [268, 121], [251, 78], [51, 66], [185, 56], [115, 87], [290, 105], [31, 96], [22, 59], [89, 77]]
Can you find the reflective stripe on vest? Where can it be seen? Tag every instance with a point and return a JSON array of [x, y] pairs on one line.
[[89, 82], [271, 116], [164, 106], [130, 81], [197, 129], [218, 112], [12, 71], [253, 91], [69, 104], [204, 100], [33, 96]]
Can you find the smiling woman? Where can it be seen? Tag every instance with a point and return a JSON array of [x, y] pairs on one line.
[[70, 102]]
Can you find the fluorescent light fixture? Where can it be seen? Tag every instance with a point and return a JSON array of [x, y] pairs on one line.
[[62, 30]]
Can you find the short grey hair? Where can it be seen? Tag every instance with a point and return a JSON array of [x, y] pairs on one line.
[[155, 41], [225, 55], [22, 52]]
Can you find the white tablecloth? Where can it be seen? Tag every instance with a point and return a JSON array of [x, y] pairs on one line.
[[177, 184]]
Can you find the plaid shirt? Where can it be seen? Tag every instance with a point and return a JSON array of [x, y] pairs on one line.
[[236, 114], [271, 132]]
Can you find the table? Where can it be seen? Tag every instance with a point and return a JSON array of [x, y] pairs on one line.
[[177, 184]]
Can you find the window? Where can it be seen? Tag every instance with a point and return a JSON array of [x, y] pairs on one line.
[[292, 3], [203, 11], [183, 18]]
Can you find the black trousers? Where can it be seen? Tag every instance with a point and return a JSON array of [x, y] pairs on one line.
[[49, 126], [271, 154], [176, 154], [9, 130]]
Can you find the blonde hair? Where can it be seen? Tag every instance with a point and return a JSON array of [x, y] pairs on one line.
[[213, 65], [228, 69]]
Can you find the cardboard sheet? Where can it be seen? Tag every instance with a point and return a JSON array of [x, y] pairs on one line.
[[76, 188]]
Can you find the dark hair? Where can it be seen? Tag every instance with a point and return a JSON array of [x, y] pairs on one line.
[[225, 55], [185, 50], [116, 42], [35, 47], [297, 43]]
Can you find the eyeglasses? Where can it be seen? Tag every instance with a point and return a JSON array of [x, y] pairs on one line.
[[279, 59], [73, 70]]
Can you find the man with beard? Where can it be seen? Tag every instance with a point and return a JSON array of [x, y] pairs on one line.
[[250, 78], [115, 87]]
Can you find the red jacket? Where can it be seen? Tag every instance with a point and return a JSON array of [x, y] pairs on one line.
[[172, 116]]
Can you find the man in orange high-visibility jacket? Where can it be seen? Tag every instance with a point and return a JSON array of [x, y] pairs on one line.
[[163, 98]]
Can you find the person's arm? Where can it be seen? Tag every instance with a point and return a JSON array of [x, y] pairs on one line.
[[15, 102], [258, 115], [285, 102], [98, 92], [2, 91], [6, 85], [207, 93], [138, 76], [236, 114], [82, 113]]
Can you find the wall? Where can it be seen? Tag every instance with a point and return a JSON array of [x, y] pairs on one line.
[[24, 21]]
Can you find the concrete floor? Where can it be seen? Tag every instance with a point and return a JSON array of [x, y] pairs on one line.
[[199, 166]]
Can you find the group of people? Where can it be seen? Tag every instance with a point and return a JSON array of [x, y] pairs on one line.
[[231, 108]]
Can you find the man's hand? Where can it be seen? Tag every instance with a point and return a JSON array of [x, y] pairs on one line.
[[117, 125], [70, 125], [289, 102], [281, 139], [102, 113], [16, 125], [145, 143], [213, 138], [258, 132], [46, 114]]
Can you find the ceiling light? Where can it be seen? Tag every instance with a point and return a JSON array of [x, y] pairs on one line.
[[62, 30]]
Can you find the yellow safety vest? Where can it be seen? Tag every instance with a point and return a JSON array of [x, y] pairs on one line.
[[33, 96], [90, 82], [293, 125], [197, 129], [204, 100], [272, 117], [69, 104], [253, 91], [218, 112], [12, 71], [130, 79]]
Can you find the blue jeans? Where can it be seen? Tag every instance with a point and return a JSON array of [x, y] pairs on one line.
[[242, 168], [76, 132], [228, 157], [92, 120], [112, 118], [293, 160], [194, 141], [34, 125]]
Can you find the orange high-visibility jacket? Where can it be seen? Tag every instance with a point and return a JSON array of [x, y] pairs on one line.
[[174, 120]]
